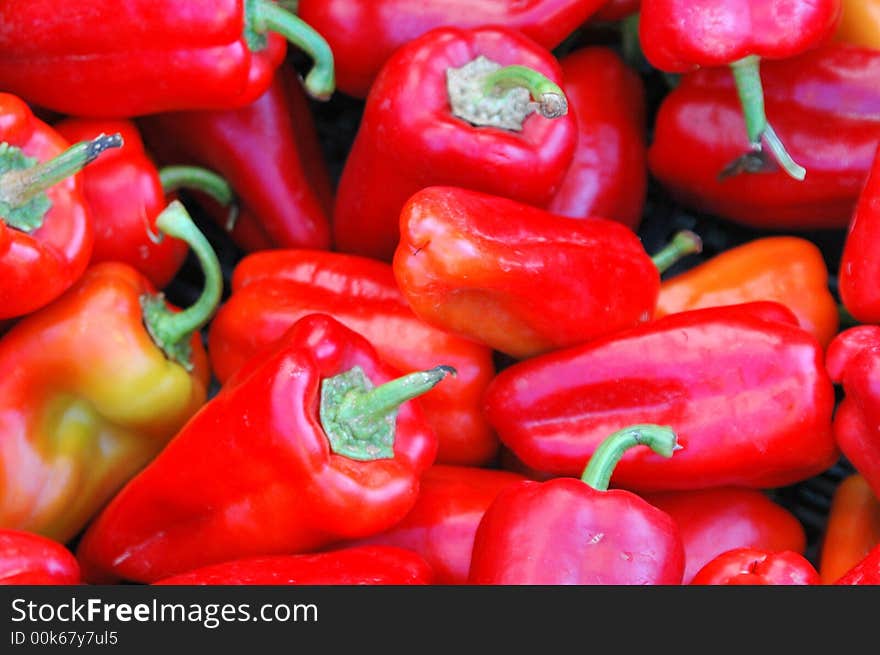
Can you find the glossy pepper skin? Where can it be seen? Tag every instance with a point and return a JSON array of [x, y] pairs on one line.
[[866, 572], [409, 138], [738, 384], [852, 529], [860, 23], [40, 255], [681, 35], [89, 410], [285, 488], [366, 565], [516, 277], [825, 104], [784, 269], [576, 531], [125, 194], [618, 9], [713, 521], [608, 176], [442, 524], [753, 566], [272, 290], [364, 33], [124, 58], [860, 263], [678, 36], [853, 361], [30, 559], [268, 153]]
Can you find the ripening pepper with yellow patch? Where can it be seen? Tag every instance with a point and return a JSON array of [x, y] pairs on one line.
[[94, 385]]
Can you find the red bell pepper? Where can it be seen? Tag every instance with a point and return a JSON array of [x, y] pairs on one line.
[[860, 264], [243, 227], [510, 462], [269, 154], [123, 58], [45, 233], [713, 521], [518, 278], [866, 572], [784, 269], [858, 439], [678, 36], [853, 361], [608, 176], [364, 33], [442, 524], [683, 35], [453, 108], [272, 290], [125, 193], [366, 565], [30, 559], [310, 452], [93, 386], [825, 103], [852, 529], [618, 9], [569, 531], [754, 566], [747, 394]]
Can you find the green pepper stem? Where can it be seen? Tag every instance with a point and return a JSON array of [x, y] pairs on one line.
[[269, 17], [550, 100], [684, 243], [662, 440], [201, 179], [747, 75], [389, 396], [780, 154], [196, 178], [172, 330], [360, 419], [19, 186]]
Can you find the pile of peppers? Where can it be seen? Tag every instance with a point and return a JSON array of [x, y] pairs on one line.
[[392, 292]]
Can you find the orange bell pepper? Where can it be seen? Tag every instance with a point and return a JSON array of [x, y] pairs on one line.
[[860, 24], [853, 528], [788, 270]]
